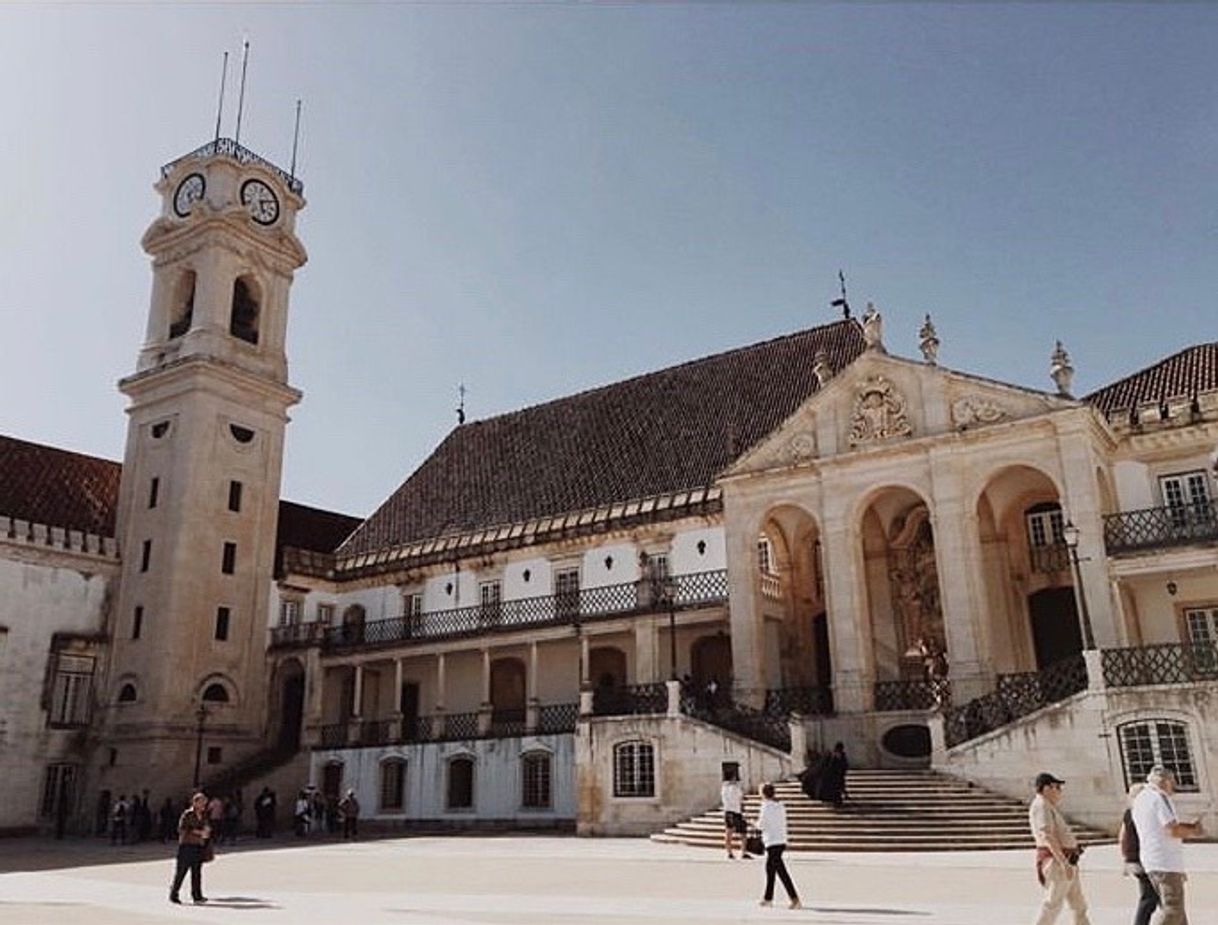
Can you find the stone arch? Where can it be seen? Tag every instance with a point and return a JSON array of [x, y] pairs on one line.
[[710, 659], [1025, 569], [607, 667], [127, 691], [182, 306], [902, 594], [287, 706], [790, 598], [218, 690]]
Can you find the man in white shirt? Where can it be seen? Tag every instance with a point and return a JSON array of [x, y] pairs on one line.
[[1161, 835], [1057, 854], [732, 798]]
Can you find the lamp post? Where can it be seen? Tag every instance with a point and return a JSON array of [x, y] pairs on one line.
[[667, 594], [1070, 534], [201, 716]]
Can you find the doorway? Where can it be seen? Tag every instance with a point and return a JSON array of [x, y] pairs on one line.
[[408, 705], [291, 712], [1055, 630]]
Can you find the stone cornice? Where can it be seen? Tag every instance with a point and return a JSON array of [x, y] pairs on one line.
[[176, 376]]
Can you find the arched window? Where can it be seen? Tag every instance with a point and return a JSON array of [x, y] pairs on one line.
[[634, 769], [535, 780], [1161, 742], [127, 693], [183, 305], [393, 784], [243, 321], [215, 693], [461, 783]]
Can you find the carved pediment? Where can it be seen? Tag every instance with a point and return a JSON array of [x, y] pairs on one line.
[[879, 413]]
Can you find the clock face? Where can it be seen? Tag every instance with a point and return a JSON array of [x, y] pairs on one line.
[[189, 191], [261, 202]]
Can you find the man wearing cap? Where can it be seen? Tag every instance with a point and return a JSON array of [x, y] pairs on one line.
[[1057, 854], [1161, 835]]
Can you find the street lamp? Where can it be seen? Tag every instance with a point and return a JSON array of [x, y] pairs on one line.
[[1070, 534], [201, 716]]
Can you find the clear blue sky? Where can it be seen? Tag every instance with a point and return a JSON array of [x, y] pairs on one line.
[[539, 198]]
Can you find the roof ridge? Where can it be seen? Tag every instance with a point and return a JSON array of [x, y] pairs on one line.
[[696, 361], [1145, 369]]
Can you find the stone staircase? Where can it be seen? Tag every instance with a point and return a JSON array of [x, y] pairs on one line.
[[888, 811]]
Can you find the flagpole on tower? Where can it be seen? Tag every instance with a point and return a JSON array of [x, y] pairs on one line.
[[220, 103], [295, 142], [245, 60]]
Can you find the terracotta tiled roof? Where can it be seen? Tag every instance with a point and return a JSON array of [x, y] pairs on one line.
[[662, 432], [311, 528], [46, 485], [1189, 372]]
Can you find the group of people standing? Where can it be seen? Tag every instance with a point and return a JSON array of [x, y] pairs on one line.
[[317, 812], [1152, 846]]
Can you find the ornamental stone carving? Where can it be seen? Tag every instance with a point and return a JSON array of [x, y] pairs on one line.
[[974, 410], [802, 447], [879, 413]]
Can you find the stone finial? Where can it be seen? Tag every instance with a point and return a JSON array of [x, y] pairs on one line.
[[1060, 370], [928, 341], [822, 369], [872, 328]]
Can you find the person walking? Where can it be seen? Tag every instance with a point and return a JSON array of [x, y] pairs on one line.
[[772, 821], [264, 813], [118, 820], [302, 814], [1148, 897], [348, 809], [1161, 836], [1057, 854], [194, 831], [732, 798]]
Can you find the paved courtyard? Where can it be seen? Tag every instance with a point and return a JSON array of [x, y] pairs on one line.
[[515, 879]]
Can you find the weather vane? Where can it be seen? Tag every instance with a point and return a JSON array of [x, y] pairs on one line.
[[841, 303], [461, 403]]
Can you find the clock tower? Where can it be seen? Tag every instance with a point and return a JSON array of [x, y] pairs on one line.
[[199, 500]]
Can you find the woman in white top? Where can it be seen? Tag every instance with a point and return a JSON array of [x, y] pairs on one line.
[[733, 815], [772, 820]]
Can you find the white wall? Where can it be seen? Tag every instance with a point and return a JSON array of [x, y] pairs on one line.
[[497, 779], [42, 591]]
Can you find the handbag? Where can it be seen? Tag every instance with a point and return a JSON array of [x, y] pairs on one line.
[[753, 843]]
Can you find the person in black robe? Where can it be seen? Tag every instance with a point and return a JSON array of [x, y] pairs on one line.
[[832, 785]]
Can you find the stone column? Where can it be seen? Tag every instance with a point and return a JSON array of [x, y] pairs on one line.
[[484, 712], [532, 704], [646, 651], [959, 564], [584, 658], [357, 705], [441, 682], [397, 688], [846, 609], [1081, 505], [744, 615], [674, 697]]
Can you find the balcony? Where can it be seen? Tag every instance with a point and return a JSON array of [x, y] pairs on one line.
[[1161, 527], [1049, 559], [692, 591], [297, 634], [552, 718]]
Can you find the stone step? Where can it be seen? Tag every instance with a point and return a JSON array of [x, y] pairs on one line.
[[887, 811]]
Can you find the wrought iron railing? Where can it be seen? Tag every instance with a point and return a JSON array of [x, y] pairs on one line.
[[506, 724], [892, 696], [1052, 558], [376, 731], [758, 725], [557, 717], [239, 153], [334, 735], [1159, 527], [1016, 695], [807, 701], [698, 589], [1173, 663], [629, 699], [461, 726], [298, 634]]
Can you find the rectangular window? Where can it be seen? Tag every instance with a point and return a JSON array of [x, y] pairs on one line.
[[414, 605], [634, 770], [1186, 495], [146, 556], [71, 690], [154, 489], [1201, 625], [137, 623], [222, 616], [1157, 742], [566, 592], [289, 612], [659, 566], [393, 784], [765, 556], [325, 614], [461, 783], [228, 562], [58, 790], [1045, 528], [535, 781], [234, 496]]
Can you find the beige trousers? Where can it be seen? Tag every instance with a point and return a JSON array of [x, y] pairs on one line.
[[1062, 889], [1170, 888]]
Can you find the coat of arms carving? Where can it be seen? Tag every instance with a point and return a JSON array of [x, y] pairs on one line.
[[973, 410], [879, 413]]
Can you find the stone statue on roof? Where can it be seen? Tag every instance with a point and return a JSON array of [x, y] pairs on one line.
[[872, 328]]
